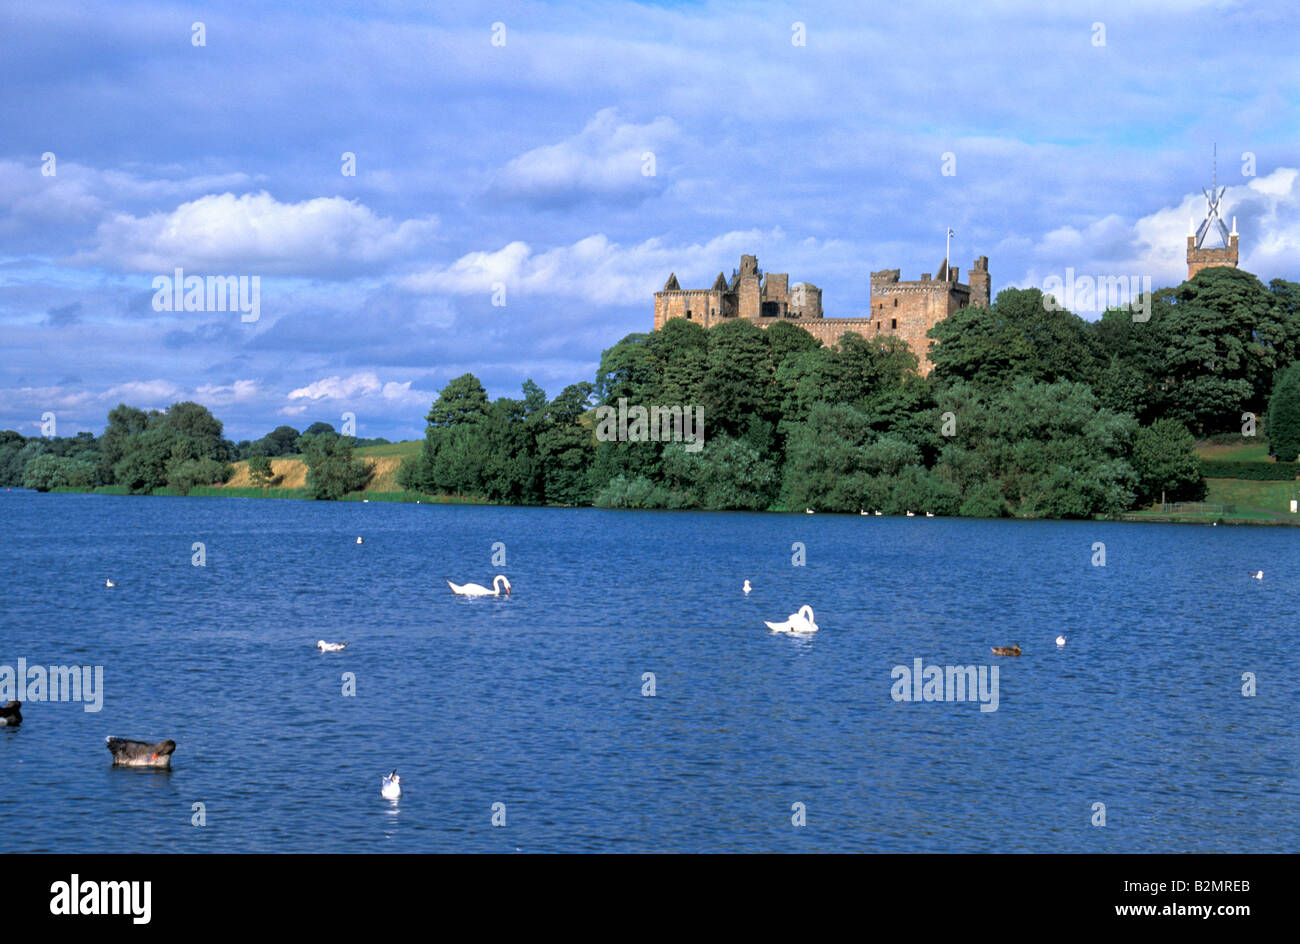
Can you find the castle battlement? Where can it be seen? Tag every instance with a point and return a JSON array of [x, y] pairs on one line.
[[903, 309]]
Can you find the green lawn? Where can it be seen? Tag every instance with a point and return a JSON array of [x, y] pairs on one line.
[[1238, 449]]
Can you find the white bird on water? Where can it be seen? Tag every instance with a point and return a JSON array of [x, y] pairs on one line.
[[1258, 575], [392, 787], [109, 583], [478, 590], [809, 511], [1060, 640], [747, 587], [877, 513], [910, 515], [801, 622], [359, 541], [324, 646]]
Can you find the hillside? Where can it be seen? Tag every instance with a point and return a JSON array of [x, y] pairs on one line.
[[291, 471]]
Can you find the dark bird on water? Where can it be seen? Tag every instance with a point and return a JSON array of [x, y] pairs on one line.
[[141, 753], [1007, 650], [10, 716]]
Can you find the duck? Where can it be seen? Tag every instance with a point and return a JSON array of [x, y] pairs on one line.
[[800, 622], [109, 583], [10, 716], [1258, 575], [478, 590], [747, 587], [127, 753], [391, 788], [324, 646], [1007, 650], [1060, 640]]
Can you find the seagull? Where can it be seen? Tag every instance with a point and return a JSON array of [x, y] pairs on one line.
[[392, 787], [747, 587], [1060, 640], [359, 541], [109, 583], [1258, 575], [324, 646]]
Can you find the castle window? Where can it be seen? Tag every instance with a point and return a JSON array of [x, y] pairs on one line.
[[893, 323], [895, 302], [688, 313]]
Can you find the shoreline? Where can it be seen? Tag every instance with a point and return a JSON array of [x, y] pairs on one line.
[[416, 498]]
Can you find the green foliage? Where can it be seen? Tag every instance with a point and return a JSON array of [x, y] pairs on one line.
[[1284, 415], [48, 471], [1165, 463], [260, 471], [332, 471], [190, 473], [1254, 471]]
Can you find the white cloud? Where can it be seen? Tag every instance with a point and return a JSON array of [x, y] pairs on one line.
[[605, 272], [256, 233], [360, 385], [606, 159]]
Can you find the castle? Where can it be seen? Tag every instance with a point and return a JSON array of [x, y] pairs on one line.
[[902, 309]]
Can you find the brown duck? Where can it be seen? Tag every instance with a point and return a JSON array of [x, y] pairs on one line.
[[1007, 650], [141, 753]]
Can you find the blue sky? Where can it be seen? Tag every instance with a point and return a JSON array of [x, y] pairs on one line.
[[522, 163]]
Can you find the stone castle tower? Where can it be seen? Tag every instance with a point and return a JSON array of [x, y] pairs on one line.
[[902, 309]]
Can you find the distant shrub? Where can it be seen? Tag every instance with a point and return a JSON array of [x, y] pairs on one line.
[[1255, 471]]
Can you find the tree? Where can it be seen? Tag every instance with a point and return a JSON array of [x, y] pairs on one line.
[[1283, 424], [332, 472], [48, 471], [260, 471], [185, 476], [1165, 463]]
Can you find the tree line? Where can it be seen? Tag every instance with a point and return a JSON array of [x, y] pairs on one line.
[[1029, 410]]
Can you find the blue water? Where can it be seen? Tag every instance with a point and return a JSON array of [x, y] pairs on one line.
[[535, 701]]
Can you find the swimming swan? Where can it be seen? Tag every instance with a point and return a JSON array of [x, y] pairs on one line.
[[747, 587], [478, 590], [801, 622], [392, 786], [324, 646]]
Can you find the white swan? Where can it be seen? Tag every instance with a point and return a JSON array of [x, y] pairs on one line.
[[392, 786], [801, 622], [809, 511], [910, 515], [877, 513], [478, 590], [1258, 575], [359, 541], [1060, 640], [929, 514], [747, 587], [324, 646], [109, 583]]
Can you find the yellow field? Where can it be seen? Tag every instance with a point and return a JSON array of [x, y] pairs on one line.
[[292, 473]]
